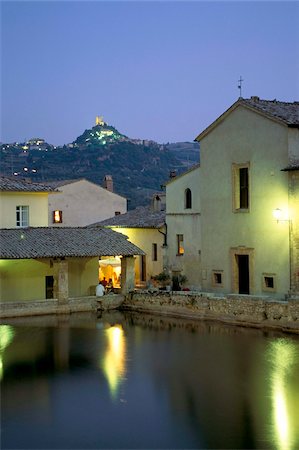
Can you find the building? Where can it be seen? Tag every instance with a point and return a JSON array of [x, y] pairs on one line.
[[145, 227], [244, 249], [82, 202], [43, 263], [23, 204], [183, 226], [39, 262]]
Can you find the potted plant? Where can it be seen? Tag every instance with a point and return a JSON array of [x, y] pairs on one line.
[[163, 279]]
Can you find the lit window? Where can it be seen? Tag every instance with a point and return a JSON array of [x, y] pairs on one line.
[[22, 216], [241, 188], [188, 199], [180, 244], [154, 252], [57, 216]]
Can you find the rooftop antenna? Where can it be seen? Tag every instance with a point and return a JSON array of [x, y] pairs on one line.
[[240, 85]]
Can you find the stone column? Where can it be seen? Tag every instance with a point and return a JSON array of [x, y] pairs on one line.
[[61, 281], [127, 274]]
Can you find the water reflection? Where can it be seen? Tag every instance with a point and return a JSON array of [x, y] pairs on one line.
[[114, 362], [6, 337], [282, 355]]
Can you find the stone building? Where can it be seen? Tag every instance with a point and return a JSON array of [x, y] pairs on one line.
[[145, 227], [244, 249], [81, 202]]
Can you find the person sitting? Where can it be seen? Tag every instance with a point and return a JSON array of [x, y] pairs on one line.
[[109, 286], [100, 290], [104, 282]]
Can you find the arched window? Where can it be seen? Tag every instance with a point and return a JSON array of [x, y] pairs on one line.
[[188, 199]]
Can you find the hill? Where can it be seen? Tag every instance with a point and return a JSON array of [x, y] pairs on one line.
[[138, 167]]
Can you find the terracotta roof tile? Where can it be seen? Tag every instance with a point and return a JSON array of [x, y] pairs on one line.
[[141, 217], [26, 243], [17, 185]]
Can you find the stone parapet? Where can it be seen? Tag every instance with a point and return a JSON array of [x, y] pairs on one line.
[[234, 309], [49, 306]]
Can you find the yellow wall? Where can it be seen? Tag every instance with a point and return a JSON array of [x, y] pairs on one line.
[[187, 222], [38, 208], [24, 279], [242, 137], [144, 238]]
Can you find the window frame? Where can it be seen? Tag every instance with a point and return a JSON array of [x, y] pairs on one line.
[[54, 216], [241, 197], [265, 287], [180, 244], [215, 274], [154, 251], [188, 198], [22, 216]]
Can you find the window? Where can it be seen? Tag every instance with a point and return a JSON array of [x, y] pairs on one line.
[[188, 199], [154, 252], [241, 191], [117, 213], [269, 282], [22, 216], [57, 216], [217, 278], [180, 244]]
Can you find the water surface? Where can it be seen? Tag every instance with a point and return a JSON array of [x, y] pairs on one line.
[[139, 381]]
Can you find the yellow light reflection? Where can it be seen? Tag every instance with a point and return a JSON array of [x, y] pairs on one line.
[[6, 336], [282, 354], [114, 360]]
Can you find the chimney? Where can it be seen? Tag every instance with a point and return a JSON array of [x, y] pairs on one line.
[[172, 174], [254, 98], [108, 183]]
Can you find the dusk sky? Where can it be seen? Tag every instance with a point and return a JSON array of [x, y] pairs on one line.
[[155, 70]]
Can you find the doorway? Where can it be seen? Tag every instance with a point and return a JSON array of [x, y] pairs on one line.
[[243, 273], [143, 268], [49, 286]]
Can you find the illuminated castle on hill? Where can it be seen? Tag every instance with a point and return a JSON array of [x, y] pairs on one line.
[[100, 121]]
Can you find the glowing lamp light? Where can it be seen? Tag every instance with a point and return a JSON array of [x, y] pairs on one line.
[[277, 214]]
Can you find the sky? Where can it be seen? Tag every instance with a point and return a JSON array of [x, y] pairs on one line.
[[157, 70]]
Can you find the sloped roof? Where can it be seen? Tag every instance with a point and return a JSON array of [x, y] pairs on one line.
[[286, 113], [196, 166], [291, 167], [61, 183], [27, 243], [141, 217], [17, 185]]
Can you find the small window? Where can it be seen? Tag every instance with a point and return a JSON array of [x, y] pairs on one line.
[[154, 252], [117, 213], [241, 188], [217, 278], [22, 216], [269, 282], [188, 199], [57, 216], [180, 244]]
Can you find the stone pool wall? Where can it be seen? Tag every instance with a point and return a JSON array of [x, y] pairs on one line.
[[49, 306], [235, 309]]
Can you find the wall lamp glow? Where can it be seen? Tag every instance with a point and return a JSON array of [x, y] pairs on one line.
[[280, 216]]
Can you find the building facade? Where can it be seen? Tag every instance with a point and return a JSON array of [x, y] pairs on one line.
[[245, 249], [81, 202], [183, 227]]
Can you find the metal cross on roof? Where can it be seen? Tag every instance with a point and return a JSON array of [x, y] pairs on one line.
[[240, 85]]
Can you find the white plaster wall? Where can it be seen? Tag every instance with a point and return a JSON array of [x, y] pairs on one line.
[[293, 145], [83, 273], [38, 208], [83, 203], [242, 137], [187, 222]]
